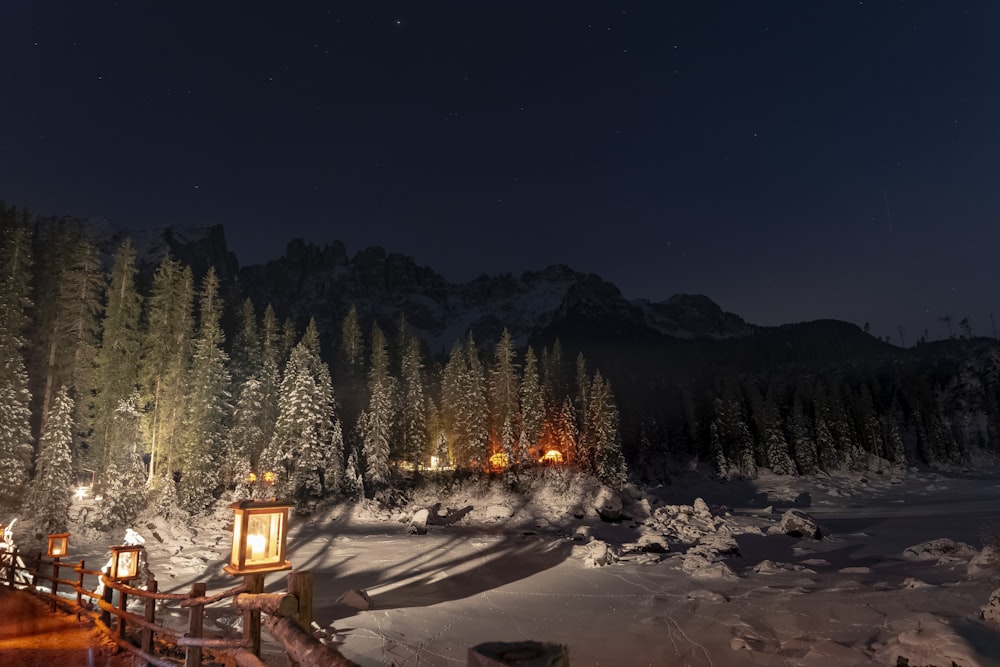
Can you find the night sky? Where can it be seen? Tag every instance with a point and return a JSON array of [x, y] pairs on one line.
[[791, 160]]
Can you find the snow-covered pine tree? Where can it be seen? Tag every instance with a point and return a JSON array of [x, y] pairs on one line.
[[566, 438], [582, 390], [302, 452], [896, 451], [720, 466], [802, 444], [604, 437], [532, 404], [376, 423], [412, 424], [352, 341], [116, 367], [247, 349], [829, 459], [451, 399], [165, 360], [504, 405], [208, 406], [124, 492], [50, 492], [474, 424], [16, 443], [775, 446], [244, 436], [66, 323]]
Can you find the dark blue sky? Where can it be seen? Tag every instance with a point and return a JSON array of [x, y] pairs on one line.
[[792, 160]]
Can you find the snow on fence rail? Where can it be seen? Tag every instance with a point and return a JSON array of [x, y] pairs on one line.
[[288, 614]]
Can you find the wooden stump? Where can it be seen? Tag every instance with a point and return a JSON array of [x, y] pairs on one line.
[[518, 654]]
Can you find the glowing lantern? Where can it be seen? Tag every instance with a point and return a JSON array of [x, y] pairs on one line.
[[251, 477], [58, 545], [260, 530], [553, 456], [499, 460], [125, 562], [269, 478]]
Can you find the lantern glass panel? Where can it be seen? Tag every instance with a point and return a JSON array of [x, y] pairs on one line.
[[58, 545], [125, 562]]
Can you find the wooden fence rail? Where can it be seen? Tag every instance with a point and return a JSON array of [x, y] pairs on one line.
[[289, 615]]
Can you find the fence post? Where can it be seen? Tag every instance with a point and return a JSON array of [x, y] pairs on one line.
[[123, 606], [107, 595], [192, 657], [79, 590], [55, 580], [251, 617], [147, 634], [300, 584]]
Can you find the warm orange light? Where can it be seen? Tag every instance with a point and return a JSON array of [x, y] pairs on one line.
[[252, 477], [552, 456], [58, 545], [499, 460], [125, 562], [260, 529], [269, 477]]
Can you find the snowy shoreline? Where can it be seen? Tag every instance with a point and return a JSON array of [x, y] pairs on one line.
[[674, 581]]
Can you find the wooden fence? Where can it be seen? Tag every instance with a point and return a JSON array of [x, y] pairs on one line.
[[288, 616]]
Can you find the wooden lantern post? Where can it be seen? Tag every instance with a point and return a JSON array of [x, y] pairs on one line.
[[58, 547], [260, 533], [124, 567]]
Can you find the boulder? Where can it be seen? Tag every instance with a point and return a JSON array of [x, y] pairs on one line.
[[356, 599], [701, 509], [991, 612], [418, 523], [653, 543], [608, 505], [799, 524], [941, 548], [600, 553]]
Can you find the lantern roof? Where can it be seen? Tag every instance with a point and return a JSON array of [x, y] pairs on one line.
[[271, 503]]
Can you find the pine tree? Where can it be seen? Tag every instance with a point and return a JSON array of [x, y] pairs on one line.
[[244, 437], [165, 362], [376, 422], [532, 403], [248, 348], [505, 410], [829, 459], [67, 320], [776, 449], [802, 444], [116, 369], [304, 451], [352, 342], [473, 415], [720, 466], [50, 493], [16, 443], [208, 404], [124, 493], [451, 399], [603, 436], [412, 421]]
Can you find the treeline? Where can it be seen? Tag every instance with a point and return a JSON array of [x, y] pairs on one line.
[[143, 391], [939, 405]]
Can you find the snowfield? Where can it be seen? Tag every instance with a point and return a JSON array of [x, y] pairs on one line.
[[692, 573]]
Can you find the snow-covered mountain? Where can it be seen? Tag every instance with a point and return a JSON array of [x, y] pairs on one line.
[[324, 282]]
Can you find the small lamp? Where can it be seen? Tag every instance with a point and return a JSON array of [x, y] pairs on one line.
[[260, 530], [58, 545], [125, 562]]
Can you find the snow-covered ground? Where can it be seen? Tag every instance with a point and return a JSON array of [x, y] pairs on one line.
[[733, 589]]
